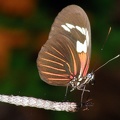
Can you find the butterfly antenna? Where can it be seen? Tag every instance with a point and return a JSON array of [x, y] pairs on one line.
[[106, 38], [103, 44], [107, 62]]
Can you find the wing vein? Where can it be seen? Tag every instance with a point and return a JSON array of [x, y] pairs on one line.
[[52, 61], [53, 67], [54, 74]]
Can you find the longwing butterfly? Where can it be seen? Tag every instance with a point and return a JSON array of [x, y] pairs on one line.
[[64, 59]]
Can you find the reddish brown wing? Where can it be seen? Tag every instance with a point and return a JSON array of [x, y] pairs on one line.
[[67, 51], [75, 16], [58, 61]]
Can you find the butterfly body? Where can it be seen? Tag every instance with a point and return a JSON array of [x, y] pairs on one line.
[[64, 58]]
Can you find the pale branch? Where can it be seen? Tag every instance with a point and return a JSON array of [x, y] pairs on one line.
[[39, 103]]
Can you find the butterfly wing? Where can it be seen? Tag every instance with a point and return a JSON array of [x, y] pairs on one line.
[[66, 53], [73, 23], [58, 61]]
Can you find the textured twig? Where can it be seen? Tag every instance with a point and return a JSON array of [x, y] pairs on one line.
[[39, 103]]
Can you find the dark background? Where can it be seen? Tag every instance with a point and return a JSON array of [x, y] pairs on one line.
[[24, 28]]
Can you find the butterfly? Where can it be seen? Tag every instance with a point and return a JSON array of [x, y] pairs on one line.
[[65, 57]]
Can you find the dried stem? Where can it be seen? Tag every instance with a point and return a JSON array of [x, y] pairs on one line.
[[39, 103]]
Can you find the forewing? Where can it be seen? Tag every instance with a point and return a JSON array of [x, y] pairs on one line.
[[73, 23], [58, 61]]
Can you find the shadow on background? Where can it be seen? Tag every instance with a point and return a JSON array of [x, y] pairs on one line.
[[24, 28]]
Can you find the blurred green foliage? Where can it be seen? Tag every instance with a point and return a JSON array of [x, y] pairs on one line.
[[22, 76]]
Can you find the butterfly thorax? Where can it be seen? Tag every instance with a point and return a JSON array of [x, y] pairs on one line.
[[80, 82]]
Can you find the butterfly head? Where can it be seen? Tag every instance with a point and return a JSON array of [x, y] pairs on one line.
[[80, 82]]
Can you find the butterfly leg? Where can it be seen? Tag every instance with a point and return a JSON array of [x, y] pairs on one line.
[[87, 104], [66, 92], [83, 90]]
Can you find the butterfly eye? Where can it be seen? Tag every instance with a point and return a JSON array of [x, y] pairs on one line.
[[89, 75], [91, 78]]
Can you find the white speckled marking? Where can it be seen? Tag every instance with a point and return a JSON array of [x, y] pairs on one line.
[[65, 28], [70, 25], [81, 47]]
